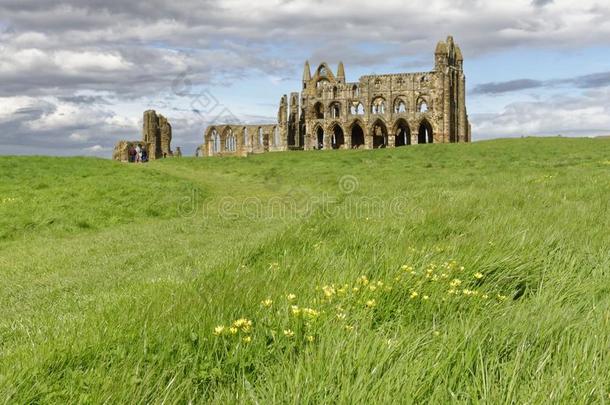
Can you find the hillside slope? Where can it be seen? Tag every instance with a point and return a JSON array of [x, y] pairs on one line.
[[428, 273]]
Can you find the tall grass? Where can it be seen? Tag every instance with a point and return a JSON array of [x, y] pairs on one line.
[[433, 273]]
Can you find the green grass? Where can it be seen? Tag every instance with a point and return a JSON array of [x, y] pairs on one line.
[[114, 277]]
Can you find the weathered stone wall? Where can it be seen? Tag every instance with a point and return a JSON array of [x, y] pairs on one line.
[[165, 134], [156, 137], [378, 111]]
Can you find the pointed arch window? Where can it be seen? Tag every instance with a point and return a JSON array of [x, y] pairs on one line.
[[276, 136], [215, 141], [335, 110], [400, 106], [378, 106], [230, 141]]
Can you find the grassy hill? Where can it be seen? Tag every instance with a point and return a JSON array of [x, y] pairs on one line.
[[436, 273]]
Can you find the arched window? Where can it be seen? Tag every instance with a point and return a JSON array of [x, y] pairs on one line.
[[246, 137], [378, 106], [335, 92], [423, 106], [318, 109], [357, 109], [260, 137], [335, 110], [360, 109], [230, 141], [400, 106], [215, 141], [355, 91], [276, 136]]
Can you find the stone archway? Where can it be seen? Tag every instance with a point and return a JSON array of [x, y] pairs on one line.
[[338, 137], [379, 132], [357, 135], [425, 133], [402, 133], [319, 138]]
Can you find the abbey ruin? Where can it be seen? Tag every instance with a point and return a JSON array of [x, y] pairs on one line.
[[378, 111], [156, 139]]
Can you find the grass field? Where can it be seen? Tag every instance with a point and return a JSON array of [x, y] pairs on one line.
[[434, 273]]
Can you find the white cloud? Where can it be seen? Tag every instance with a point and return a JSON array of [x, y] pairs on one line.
[[78, 137], [581, 115]]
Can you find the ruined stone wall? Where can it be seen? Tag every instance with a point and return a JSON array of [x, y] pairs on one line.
[[378, 111], [156, 138], [241, 140]]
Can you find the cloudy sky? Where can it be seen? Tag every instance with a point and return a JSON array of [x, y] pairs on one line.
[[76, 75]]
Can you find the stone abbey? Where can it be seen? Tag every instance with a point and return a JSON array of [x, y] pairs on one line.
[[378, 111]]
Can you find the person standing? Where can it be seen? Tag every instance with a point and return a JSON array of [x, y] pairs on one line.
[[131, 153], [138, 154]]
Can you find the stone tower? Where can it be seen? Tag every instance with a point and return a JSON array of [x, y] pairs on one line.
[[165, 133]]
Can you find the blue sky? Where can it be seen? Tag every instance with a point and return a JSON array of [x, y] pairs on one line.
[[76, 76]]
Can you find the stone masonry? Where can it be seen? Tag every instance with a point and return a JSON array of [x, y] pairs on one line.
[[156, 138], [378, 111]]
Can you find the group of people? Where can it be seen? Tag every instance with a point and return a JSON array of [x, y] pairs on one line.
[[137, 154]]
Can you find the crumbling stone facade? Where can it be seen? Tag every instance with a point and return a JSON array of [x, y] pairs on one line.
[[378, 111], [156, 138]]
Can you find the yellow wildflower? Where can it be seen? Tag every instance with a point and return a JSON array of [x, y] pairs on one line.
[[363, 280], [243, 324], [349, 328], [247, 339], [455, 282], [436, 333], [467, 292], [295, 310], [371, 303], [233, 330], [426, 297], [478, 276], [372, 287], [310, 339], [329, 291], [311, 313], [219, 330], [291, 297], [414, 294], [288, 333]]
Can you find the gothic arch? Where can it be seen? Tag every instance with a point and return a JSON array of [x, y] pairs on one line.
[[230, 140], [318, 136], [400, 105], [357, 108], [379, 133], [260, 137], [334, 110], [423, 105], [318, 110], [378, 106], [214, 141], [402, 133], [337, 135], [425, 133], [246, 137], [357, 132]]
